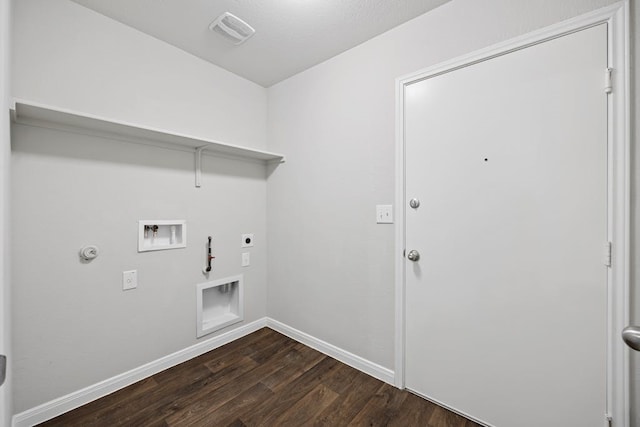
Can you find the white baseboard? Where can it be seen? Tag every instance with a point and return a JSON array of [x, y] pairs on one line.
[[63, 404], [71, 401], [357, 362]]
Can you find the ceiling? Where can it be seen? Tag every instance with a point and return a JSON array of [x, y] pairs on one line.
[[291, 35]]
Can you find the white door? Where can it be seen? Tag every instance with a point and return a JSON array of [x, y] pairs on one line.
[[506, 306]]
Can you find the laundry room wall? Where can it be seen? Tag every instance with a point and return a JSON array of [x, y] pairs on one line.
[[331, 267], [71, 57], [73, 325]]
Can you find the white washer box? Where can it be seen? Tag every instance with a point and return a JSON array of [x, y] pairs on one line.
[[160, 234]]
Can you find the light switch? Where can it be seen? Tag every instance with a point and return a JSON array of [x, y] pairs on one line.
[[384, 214], [129, 279], [246, 259]]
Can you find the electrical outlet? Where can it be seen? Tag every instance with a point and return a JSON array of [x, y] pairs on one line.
[[247, 240], [129, 279], [246, 259], [384, 214]]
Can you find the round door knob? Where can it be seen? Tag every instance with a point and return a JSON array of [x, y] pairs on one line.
[[631, 336], [413, 255], [414, 203]]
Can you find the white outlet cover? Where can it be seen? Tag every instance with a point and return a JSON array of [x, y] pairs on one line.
[[246, 259], [384, 214], [129, 279], [247, 240]]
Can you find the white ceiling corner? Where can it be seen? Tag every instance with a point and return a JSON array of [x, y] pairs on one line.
[[291, 35]]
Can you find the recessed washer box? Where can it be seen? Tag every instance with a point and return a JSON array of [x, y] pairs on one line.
[[220, 303], [160, 234]]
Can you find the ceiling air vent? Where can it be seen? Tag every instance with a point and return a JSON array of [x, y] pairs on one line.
[[232, 28]]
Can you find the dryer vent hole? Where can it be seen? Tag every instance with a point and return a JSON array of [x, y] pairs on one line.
[[486, 160]]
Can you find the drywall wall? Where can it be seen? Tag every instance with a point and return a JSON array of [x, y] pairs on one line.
[[331, 268], [72, 57], [72, 324], [5, 155]]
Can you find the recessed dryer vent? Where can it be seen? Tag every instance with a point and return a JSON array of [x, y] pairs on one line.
[[232, 28], [219, 304]]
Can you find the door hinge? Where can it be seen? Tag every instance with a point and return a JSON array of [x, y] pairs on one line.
[[608, 85], [3, 368], [607, 254]]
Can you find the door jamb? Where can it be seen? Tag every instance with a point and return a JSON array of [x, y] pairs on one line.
[[616, 17]]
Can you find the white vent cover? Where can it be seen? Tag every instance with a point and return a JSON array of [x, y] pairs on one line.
[[232, 28]]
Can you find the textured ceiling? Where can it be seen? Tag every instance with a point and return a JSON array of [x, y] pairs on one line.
[[291, 35]]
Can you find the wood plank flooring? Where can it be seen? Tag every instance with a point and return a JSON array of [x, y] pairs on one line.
[[263, 379]]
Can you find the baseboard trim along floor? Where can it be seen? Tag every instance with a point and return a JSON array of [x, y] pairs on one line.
[[357, 362], [71, 401]]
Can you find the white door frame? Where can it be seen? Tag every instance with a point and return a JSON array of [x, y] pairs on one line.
[[618, 199], [5, 339]]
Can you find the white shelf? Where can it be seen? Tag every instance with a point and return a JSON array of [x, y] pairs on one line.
[[34, 114]]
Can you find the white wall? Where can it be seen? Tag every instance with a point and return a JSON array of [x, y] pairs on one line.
[[72, 57], [5, 153], [72, 324], [331, 268]]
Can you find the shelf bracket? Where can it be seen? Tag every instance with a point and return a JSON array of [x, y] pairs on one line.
[[198, 154]]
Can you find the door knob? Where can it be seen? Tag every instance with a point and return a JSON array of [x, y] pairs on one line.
[[413, 255], [631, 336]]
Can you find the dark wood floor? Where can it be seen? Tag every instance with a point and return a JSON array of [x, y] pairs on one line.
[[263, 379]]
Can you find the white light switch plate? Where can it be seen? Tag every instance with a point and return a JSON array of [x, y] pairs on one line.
[[246, 259], [384, 214], [129, 279]]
